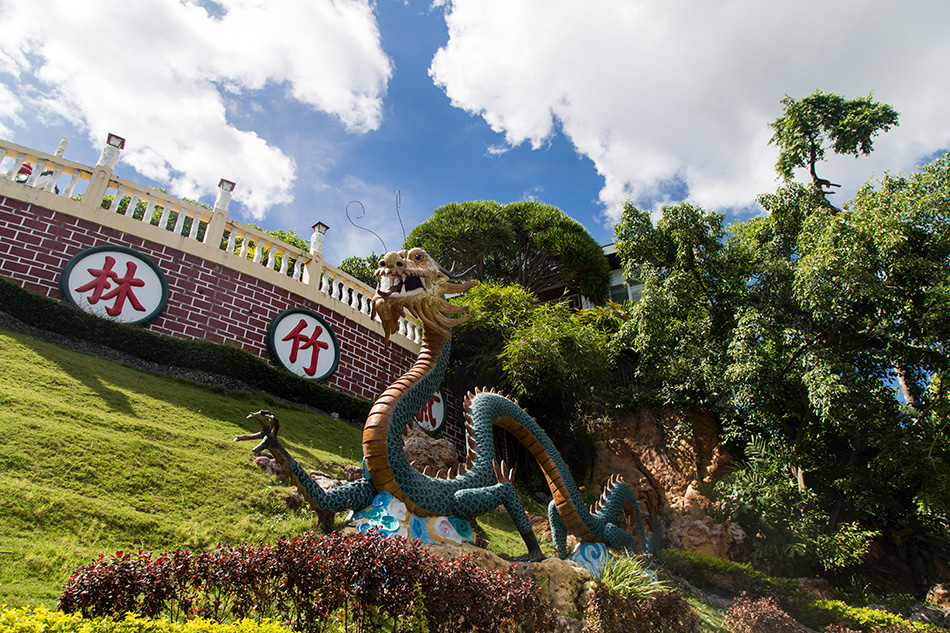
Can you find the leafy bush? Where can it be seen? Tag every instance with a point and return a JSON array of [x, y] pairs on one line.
[[42, 619], [759, 615], [664, 612], [868, 620], [765, 497], [304, 581]]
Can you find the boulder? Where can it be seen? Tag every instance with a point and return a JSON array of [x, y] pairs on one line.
[[702, 536], [422, 451]]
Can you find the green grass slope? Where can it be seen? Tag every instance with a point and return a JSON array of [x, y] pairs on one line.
[[98, 457]]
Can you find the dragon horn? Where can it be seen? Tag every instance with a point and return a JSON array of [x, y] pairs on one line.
[[451, 274]]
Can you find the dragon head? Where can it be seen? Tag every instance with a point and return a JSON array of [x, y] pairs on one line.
[[410, 280]]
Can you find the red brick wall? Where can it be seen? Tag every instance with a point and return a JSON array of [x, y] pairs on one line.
[[205, 300]]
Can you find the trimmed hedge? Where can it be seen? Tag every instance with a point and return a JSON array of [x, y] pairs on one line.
[[63, 318]]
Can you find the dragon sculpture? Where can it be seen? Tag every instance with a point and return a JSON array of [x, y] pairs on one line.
[[411, 281]]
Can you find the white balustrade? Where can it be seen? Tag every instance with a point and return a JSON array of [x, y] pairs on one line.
[[188, 218]]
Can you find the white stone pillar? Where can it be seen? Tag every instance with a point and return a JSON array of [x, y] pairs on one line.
[[311, 273], [99, 179], [219, 216]]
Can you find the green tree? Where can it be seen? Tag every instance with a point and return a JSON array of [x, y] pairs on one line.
[[796, 328], [809, 123], [363, 268], [679, 330], [529, 243]]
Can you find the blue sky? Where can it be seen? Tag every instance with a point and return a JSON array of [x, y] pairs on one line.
[[309, 104]]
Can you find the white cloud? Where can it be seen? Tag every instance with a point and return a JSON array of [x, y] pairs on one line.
[[9, 111], [158, 72], [681, 91]]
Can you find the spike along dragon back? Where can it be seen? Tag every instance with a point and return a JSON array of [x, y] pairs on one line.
[[411, 281]]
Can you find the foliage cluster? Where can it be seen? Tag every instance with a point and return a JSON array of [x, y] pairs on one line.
[[529, 243], [552, 358], [762, 494], [663, 612], [810, 332], [63, 318], [759, 615], [304, 581], [42, 619], [363, 268], [842, 618]]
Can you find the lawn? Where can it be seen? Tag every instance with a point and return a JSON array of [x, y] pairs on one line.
[[99, 457]]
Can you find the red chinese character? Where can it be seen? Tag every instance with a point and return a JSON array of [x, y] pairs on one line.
[[426, 416], [103, 278], [302, 342]]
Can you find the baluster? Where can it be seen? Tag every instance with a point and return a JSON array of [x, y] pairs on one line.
[[180, 222], [272, 257], [12, 172], [284, 261], [258, 251], [337, 289], [298, 270], [116, 199], [354, 301], [130, 210], [324, 282], [195, 225], [51, 185], [231, 239], [73, 181], [367, 304], [37, 170], [166, 213], [149, 208], [403, 326]]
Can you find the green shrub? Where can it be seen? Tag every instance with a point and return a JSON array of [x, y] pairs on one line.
[[867, 620]]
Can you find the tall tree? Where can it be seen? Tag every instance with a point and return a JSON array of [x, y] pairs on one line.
[[849, 125], [529, 243], [794, 331]]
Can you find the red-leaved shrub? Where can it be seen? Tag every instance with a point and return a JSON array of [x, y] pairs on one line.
[[762, 615], [304, 581], [665, 612]]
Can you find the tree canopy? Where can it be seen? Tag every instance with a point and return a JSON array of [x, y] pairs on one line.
[[848, 125], [798, 330], [529, 243]]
